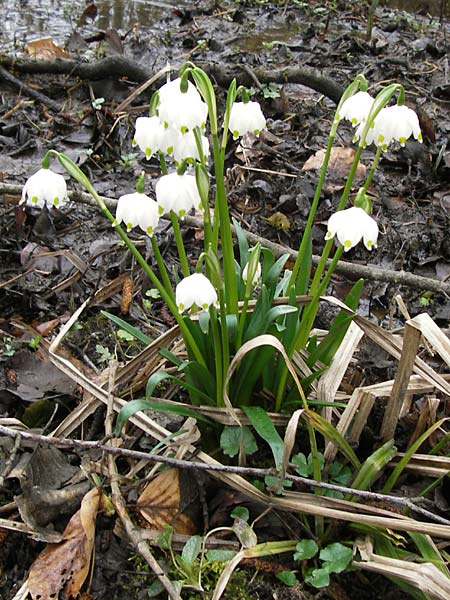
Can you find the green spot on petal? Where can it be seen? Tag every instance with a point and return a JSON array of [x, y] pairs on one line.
[[34, 200], [347, 244], [56, 201], [184, 129], [420, 137], [148, 153]]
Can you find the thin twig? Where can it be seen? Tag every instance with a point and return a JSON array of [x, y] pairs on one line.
[[132, 532], [406, 503]]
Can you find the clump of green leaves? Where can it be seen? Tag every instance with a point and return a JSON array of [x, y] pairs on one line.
[[334, 558]]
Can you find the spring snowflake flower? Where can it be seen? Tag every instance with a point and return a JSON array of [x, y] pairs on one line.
[[148, 135], [181, 110], [356, 108], [178, 193], [352, 225], [138, 209], [256, 276], [184, 146], [246, 117], [195, 289], [394, 123], [45, 187]]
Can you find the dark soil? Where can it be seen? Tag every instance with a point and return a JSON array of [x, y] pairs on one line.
[[80, 254]]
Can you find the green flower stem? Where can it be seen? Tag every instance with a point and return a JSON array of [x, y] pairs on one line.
[[225, 344], [75, 172], [180, 245], [242, 318], [327, 248], [305, 326], [213, 323], [162, 267], [372, 168], [310, 313], [312, 211], [317, 474], [221, 206]]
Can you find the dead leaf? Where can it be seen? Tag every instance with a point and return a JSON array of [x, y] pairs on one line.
[[339, 165], [166, 500], [65, 566], [45, 49], [279, 221]]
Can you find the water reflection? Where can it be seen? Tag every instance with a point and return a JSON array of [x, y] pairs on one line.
[[23, 20]]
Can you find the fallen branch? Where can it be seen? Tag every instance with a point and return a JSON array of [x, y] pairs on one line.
[[353, 270], [114, 67], [28, 91], [84, 445]]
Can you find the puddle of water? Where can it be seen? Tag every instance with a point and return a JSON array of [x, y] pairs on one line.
[[24, 20], [432, 7], [257, 40]]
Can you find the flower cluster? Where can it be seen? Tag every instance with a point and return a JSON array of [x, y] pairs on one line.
[[179, 112], [392, 124]]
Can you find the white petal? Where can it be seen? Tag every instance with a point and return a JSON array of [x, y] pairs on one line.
[[246, 117]]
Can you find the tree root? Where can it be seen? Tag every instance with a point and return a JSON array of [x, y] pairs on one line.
[[119, 66]]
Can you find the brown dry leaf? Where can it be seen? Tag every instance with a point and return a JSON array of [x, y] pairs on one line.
[[164, 499], [127, 296], [341, 160], [65, 566], [45, 49]]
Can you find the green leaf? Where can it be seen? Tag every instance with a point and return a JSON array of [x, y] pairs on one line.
[[373, 465], [318, 578], [274, 484], [135, 406], [134, 331], [160, 376], [304, 274], [306, 549], [303, 468], [191, 549], [240, 512], [164, 539], [288, 578], [244, 533], [266, 429], [332, 434], [230, 440], [155, 588], [242, 243], [220, 555], [328, 347], [337, 557]]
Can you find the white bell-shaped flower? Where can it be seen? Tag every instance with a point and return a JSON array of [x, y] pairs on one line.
[[178, 193], [181, 110], [148, 135], [195, 289], [352, 225], [45, 187], [356, 108], [246, 117], [185, 147], [169, 140], [256, 275], [138, 210], [393, 123]]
